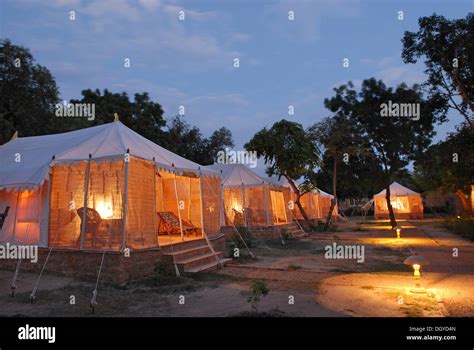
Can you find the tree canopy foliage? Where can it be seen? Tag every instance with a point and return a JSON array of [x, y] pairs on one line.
[[448, 50], [29, 96]]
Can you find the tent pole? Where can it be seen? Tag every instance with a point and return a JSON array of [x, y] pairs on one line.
[[267, 207], [125, 199], [155, 226], [243, 205], [15, 216], [48, 200], [177, 203], [84, 206], [201, 204]]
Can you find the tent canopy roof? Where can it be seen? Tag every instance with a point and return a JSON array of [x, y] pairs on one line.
[[397, 190], [237, 175], [110, 140]]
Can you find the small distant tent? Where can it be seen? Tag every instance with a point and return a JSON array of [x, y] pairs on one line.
[[316, 204], [104, 187], [406, 203], [248, 199]]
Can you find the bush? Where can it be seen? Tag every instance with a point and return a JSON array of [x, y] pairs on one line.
[[331, 228], [286, 235], [246, 236], [461, 226], [258, 289]]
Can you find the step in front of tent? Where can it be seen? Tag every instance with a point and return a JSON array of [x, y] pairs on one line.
[[193, 257], [212, 266]]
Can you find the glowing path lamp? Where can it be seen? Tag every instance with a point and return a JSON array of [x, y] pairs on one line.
[[398, 229], [416, 261]]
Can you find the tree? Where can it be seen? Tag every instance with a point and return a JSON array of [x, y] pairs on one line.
[[340, 139], [448, 48], [291, 152], [28, 94], [449, 165], [141, 114], [393, 138], [188, 141], [355, 178]]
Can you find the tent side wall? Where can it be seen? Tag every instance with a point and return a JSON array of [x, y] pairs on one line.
[[141, 223], [25, 222], [96, 186], [211, 204], [311, 205], [278, 208], [404, 207]]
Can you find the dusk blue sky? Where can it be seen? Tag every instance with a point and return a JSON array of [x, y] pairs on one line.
[[190, 62]]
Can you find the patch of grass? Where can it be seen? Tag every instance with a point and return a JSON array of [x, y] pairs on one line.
[[290, 245], [462, 226]]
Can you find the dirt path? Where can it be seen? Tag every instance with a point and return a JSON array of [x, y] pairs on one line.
[[448, 280]]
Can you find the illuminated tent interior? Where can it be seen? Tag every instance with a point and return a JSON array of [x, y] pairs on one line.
[[248, 199], [316, 204], [136, 193], [405, 202]]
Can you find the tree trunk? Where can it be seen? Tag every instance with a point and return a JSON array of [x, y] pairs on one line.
[[297, 202], [334, 198], [391, 214]]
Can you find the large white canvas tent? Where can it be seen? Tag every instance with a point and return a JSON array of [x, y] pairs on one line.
[[248, 199], [132, 190], [406, 203]]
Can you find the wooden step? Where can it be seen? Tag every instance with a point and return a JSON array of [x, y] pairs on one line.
[[184, 245], [179, 255], [196, 261], [211, 266]]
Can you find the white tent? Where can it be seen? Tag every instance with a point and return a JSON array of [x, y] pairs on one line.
[[248, 199], [108, 168], [406, 203], [316, 204]]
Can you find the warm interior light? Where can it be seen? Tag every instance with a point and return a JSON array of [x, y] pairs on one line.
[[105, 210], [237, 206], [416, 270], [399, 230]]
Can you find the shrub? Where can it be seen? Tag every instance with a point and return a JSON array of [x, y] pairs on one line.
[[461, 226], [257, 289], [246, 236]]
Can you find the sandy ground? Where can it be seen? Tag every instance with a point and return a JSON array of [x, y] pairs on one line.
[[302, 282]]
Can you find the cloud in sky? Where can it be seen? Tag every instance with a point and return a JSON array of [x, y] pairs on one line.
[[190, 62]]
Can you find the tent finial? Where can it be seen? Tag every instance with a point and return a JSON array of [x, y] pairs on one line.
[[116, 117], [15, 135]]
